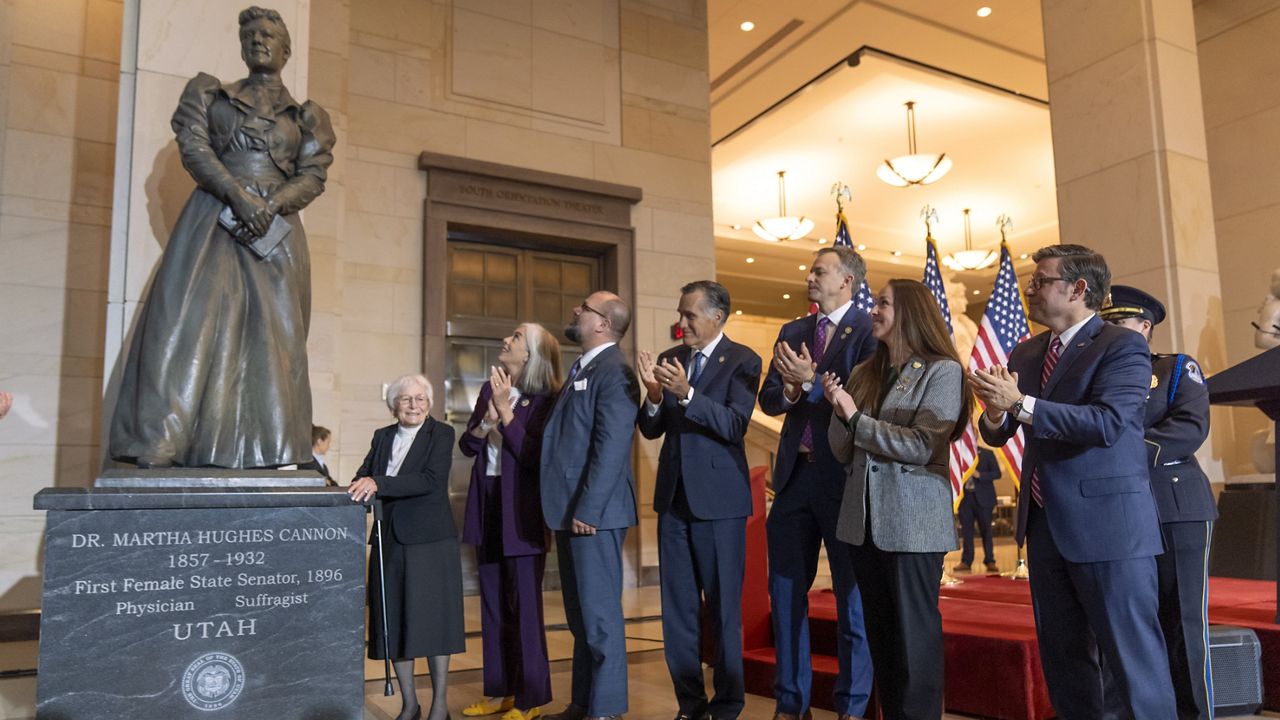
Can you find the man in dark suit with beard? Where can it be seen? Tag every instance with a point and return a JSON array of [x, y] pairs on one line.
[[588, 499], [700, 395]]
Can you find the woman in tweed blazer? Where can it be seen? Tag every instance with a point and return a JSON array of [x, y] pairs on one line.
[[892, 428]]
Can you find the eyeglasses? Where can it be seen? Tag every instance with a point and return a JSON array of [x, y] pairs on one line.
[[587, 308], [1035, 282], [411, 399]]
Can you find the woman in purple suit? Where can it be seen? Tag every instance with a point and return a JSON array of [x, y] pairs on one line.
[[504, 521]]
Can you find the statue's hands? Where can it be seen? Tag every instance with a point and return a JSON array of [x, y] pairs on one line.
[[253, 212]]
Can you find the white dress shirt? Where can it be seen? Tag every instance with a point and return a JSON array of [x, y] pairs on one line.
[[835, 317], [400, 447], [1028, 402]]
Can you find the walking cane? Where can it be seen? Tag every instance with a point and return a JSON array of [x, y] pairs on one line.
[[382, 596]]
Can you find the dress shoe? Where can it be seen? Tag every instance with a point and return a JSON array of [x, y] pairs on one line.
[[962, 567], [489, 706], [570, 712], [992, 568], [518, 714]]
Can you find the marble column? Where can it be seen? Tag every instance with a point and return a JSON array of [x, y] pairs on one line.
[[164, 43], [1132, 169]]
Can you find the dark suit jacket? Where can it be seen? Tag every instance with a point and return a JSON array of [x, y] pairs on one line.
[[703, 444], [586, 447], [1085, 440], [319, 467], [984, 477], [851, 344], [416, 501], [1175, 428], [523, 530]]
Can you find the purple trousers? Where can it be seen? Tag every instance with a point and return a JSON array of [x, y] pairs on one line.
[[511, 629]]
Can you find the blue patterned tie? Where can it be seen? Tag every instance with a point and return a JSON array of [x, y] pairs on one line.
[[699, 361]]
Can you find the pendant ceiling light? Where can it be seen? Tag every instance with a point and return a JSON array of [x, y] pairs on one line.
[[969, 259], [783, 226], [914, 168]]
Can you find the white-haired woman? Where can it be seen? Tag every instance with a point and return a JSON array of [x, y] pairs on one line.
[[504, 521], [408, 469]]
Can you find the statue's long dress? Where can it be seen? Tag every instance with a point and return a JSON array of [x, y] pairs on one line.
[[217, 371]]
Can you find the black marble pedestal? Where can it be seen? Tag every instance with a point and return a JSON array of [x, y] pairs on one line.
[[202, 603]]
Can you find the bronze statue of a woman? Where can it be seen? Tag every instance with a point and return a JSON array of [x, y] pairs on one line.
[[216, 375]]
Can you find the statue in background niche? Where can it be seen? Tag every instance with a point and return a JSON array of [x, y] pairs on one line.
[[216, 375], [1266, 331]]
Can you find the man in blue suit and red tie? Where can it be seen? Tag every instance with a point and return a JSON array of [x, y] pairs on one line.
[[808, 483], [700, 395], [1085, 509]]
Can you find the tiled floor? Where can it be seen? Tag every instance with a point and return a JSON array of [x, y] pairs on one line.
[[650, 687]]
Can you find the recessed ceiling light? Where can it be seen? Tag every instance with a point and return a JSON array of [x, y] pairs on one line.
[[736, 226], [748, 26], [1023, 256], [861, 247], [822, 241], [897, 253], [982, 12], [804, 267], [786, 296], [750, 260], [737, 312]]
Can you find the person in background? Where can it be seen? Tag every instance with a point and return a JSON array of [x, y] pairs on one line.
[[808, 482], [503, 521], [407, 468], [321, 439], [976, 508], [892, 426], [6, 402], [1177, 424], [700, 396]]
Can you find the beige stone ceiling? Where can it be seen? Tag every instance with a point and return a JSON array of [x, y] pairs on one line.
[[842, 126]]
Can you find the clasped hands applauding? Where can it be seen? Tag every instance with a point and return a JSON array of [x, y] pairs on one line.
[[658, 376], [997, 388]]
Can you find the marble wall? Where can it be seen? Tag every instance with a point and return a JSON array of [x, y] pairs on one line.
[[612, 90], [59, 76], [1235, 40]]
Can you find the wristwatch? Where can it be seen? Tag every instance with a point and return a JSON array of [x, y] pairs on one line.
[[1016, 408], [807, 386]]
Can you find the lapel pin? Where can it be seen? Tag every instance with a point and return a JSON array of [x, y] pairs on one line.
[[1080, 344], [847, 330], [722, 359], [916, 365], [524, 402]]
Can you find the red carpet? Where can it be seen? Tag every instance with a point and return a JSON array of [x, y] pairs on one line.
[[992, 661]]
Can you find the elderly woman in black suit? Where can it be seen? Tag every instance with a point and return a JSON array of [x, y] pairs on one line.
[[892, 425], [408, 469], [504, 521]]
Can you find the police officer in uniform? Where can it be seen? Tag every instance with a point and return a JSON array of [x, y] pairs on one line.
[[1177, 423]]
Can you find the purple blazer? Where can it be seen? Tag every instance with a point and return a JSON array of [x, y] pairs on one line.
[[513, 501]]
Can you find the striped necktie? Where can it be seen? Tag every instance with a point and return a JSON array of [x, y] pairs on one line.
[[1046, 372]]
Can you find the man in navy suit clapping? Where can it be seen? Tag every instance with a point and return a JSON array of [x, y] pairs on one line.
[[809, 485], [1085, 508], [701, 394]]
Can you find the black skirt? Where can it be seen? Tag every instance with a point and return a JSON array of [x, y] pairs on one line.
[[424, 600]]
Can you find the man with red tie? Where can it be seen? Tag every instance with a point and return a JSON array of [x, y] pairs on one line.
[[1085, 509]]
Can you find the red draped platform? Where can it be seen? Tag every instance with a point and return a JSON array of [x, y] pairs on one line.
[[992, 660]]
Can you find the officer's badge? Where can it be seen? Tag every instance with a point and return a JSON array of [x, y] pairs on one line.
[[1155, 381], [1194, 372]]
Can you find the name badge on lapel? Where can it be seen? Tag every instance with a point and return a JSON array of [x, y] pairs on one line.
[[579, 385]]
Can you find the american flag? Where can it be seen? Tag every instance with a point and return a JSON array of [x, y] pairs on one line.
[[964, 452], [863, 299], [1004, 325]]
